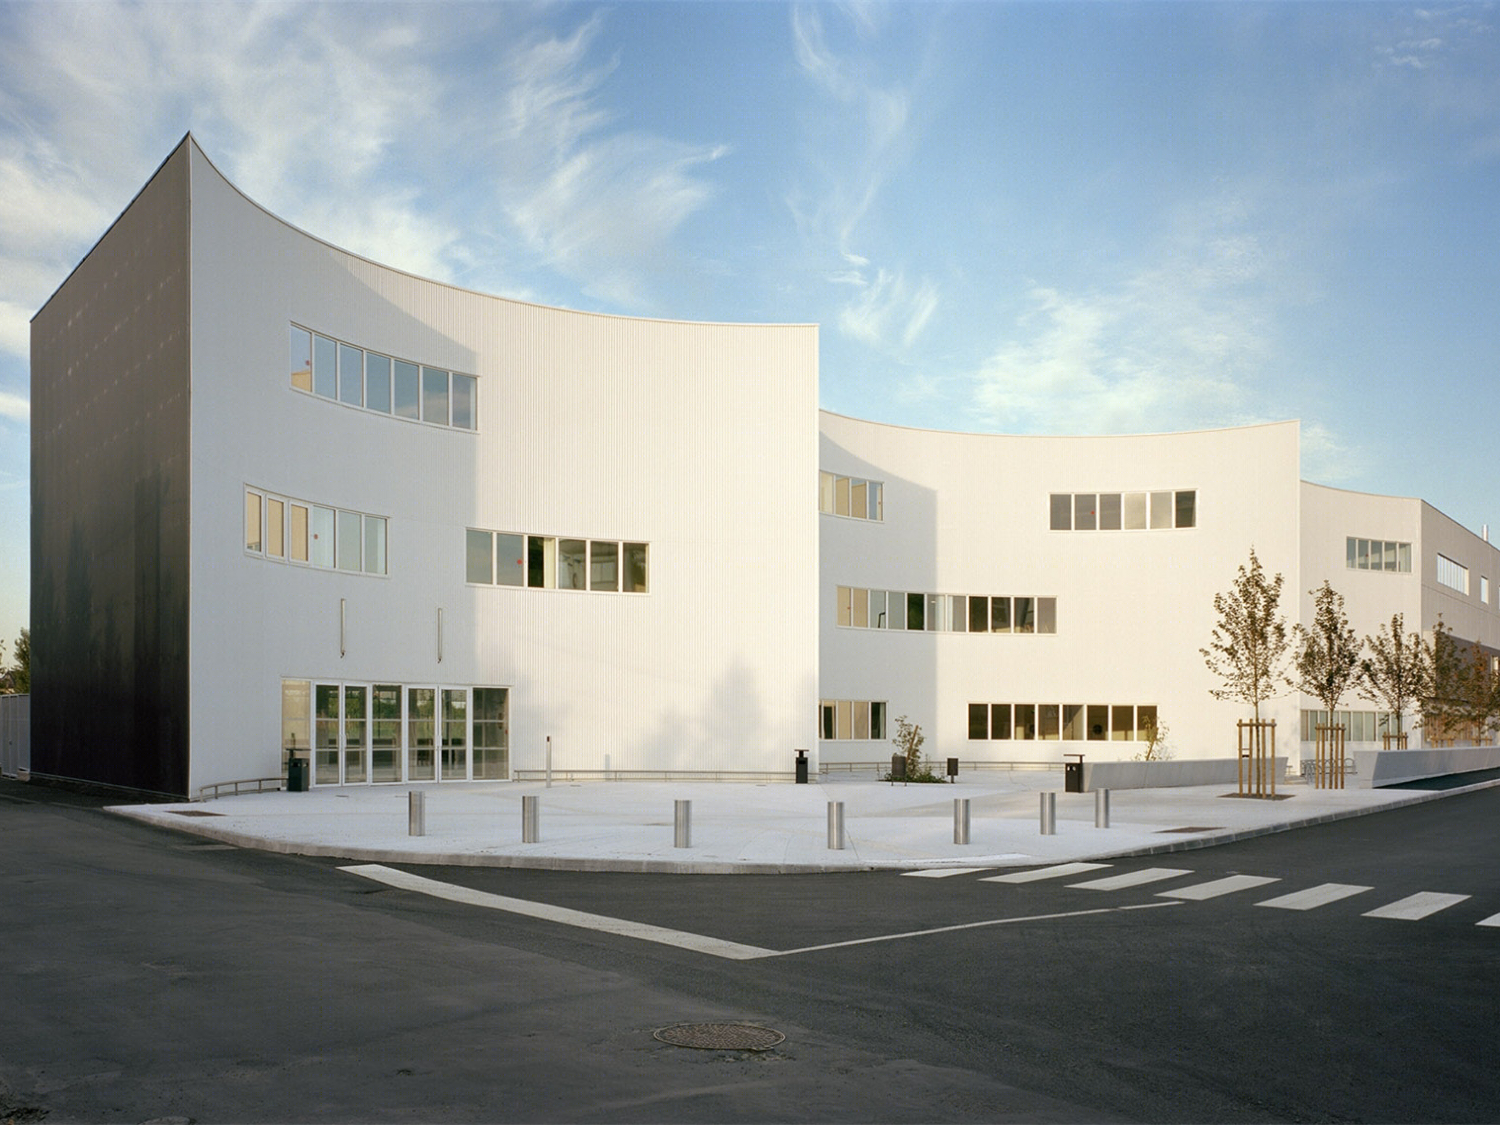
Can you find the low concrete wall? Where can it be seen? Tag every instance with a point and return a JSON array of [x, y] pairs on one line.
[[1166, 775], [1375, 768]]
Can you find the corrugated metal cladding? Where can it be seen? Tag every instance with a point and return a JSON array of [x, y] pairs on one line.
[[109, 503], [698, 439]]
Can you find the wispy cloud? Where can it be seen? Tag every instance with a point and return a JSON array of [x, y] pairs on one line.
[[352, 121], [14, 407]]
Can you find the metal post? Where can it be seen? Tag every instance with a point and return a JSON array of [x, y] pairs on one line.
[[1101, 808], [836, 825], [684, 825], [549, 761], [961, 820], [416, 813], [1049, 814], [529, 820]]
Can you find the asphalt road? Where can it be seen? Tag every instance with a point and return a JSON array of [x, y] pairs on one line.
[[150, 976]]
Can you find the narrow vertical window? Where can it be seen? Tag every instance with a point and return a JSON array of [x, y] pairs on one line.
[[378, 382], [300, 358], [979, 721], [1046, 615], [877, 609], [936, 604], [877, 720], [510, 559], [1025, 615], [1187, 509], [825, 492], [349, 541], [464, 412], [1124, 724], [1403, 558], [999, 720], [325, 367], [826, 721], [351, 375], [841, 497], [491, 735], [861, 709], [479, 557], [1161, 509], [1135, 511], [845, 719], [637, 558], [877, 500], [1098, 722], [326, 734], [541, 562], [385, 732], [1062, 511], [322, 537], [1145, 722], [356, 727], [979, 615], [844, 605], [275, 528], [253, 541], [914, 616], [1085, 511], [859, 503], [604, 565], [296, 706], [406, 390], [1000, 615], [572, 564], [1049, 724], [374, 560], [1073, 722], [421, 733], [861, 609], [958, 617], [299, 533], [1349, 552], [1109, 511], [895, 602], [455, 749], [1025, 724], [435, 395]]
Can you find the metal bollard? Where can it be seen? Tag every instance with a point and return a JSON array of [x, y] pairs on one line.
[[836, 825], [684, 825], [961, 820], [1101, 808], [529, 820], [416, 813], [1049, 814]]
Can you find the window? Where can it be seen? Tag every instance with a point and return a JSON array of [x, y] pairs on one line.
[[491, 734], [341, 371], [1453, 575], [546, 562], [1123, 511], [1484, 590], [385, 732], [850, 496], [858, 608], [1067, 722], [315, 535], [1377, 554], [1359, 726], [851, 720], [979, 721], [1024, 726]]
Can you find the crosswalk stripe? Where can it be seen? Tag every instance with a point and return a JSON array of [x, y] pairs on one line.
[[944, 872], [1031, 875], [1413, 907], [1132, 878], [1492, 920], [1228, 885], [1314, 897]]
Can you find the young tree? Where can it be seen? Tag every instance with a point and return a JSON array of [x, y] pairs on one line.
[[1329, 658], [1249, 647], [1394, 675], [20, 671], [1478, 692], [1442, 689], [1156, 748], [908, 740]]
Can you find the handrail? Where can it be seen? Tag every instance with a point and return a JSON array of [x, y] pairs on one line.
[[245, 785], [881, 767]]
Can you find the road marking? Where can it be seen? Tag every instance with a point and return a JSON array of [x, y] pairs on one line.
[[1036, 873], [1492, 920], [972, 926], [697, 942], [944, 872], [1228, 885], [1413, 907], [1314, 897], [1132, 878]]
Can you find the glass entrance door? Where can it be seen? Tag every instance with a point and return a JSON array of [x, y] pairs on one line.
[[356, 730]]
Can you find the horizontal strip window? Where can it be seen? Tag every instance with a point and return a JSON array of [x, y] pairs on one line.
[[845, 720], [335, 370], [944, 613], [298, 531], [1124, 511], [851, 496], [1359, 726], [1377, 554], [551, 562], [1061, 722], [1452, 574], [360, 733]]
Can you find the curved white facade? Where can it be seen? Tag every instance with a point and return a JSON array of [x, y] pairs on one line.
[[752, 576]]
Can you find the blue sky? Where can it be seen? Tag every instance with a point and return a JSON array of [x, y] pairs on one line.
[[1026, 218]]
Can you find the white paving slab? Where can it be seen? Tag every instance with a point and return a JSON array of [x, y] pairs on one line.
[[1225, 886], [1417, 906], [1132, 879], [1057, 871], [1314, 897]]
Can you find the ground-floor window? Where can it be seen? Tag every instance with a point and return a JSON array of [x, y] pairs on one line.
[[359, 733], [1359, 726], [1066, 722]]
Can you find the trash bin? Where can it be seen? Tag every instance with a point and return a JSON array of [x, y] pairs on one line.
[[296, 773], [1073, 774], [801, 767], [953, 768], [898, 767]]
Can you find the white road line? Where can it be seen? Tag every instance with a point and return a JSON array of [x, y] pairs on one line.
[[1227, 885], [972, 926], [1413, 907], [1132, 878], [944, 872], [1492, 920], [1314, 897], [1035, 873], [697, 942]]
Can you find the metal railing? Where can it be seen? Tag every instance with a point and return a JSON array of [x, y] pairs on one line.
[[245, 785], [569, 775], [937, 763]]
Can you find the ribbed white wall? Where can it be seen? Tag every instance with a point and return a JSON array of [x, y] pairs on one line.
[[969, 514], [697, 438]]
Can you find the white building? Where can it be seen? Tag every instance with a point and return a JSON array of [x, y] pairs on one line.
[[286, 497]]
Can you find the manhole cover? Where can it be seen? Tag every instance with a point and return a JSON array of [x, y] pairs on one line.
[[1191, 828], [193, 812], [720, 1036]]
